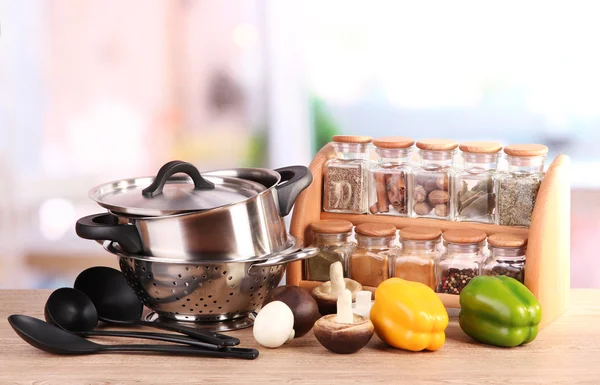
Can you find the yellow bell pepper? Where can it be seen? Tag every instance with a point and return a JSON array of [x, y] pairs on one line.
[[409, 315]]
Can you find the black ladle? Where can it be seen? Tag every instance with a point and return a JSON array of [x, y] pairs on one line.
[[52, 339], [117, 303], [73, 311]]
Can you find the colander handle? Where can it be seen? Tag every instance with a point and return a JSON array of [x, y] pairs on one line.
[[295, 256]]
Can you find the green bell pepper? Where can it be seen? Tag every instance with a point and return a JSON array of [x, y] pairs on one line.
[[499, 311]]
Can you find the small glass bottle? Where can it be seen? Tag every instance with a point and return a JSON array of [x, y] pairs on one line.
[[420, 250], [461, 261], [369, 262], [331, 237], [388, 179], [345, 184], [507, 256], [475, 185], [431, 182], [517, 189]]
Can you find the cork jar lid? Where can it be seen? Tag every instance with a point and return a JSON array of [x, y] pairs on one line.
[[507, 240], [437, 144], [420, 234], [480, 147], [376, 229], [331, 226], [464, 236], [352, 139], [394, 142], [526, 150]]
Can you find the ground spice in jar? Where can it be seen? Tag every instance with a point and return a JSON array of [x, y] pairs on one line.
[[345, 177], [369, 262], [462, 260], [416, 259], [331, 237]]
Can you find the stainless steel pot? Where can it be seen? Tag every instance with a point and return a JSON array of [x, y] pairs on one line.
[[220, 216], [205, 292]]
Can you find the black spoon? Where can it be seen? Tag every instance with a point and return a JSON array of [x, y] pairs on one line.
[[117, 303], [52, 339], [73, 311]]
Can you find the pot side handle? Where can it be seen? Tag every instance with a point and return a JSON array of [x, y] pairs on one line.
[[171, 168], [294, 180], [105, 227], [295, 256]]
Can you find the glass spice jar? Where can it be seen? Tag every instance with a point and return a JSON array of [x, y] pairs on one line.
[[369, 262], [331, 237], [388, 179], [420, 250], [475, 185], [461, 261], [517, 189], [507, 256], [431, 182], [345, 177]]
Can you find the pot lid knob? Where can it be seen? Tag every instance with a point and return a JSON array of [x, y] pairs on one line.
[[171, 168]]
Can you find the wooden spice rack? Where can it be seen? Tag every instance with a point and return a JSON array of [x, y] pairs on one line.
[[547, 265]]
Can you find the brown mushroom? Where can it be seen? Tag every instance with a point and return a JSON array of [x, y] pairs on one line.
[[303, 306], [326, 294], [344, 332]]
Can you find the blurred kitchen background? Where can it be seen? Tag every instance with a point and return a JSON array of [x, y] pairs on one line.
[[97, 90]]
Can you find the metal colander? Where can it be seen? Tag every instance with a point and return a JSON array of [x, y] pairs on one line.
[[204, 292]]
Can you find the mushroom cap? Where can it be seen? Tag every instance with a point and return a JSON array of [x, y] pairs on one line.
[[273, 324], [328, 302], [343, 338]]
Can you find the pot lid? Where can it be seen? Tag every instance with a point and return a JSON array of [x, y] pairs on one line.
[[165, 194]]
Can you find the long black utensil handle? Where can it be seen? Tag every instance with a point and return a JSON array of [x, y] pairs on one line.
[[245, 353], [206, 336], [151, 336]]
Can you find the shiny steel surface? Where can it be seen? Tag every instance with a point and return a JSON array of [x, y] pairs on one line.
[[231, 233], [125, 196], [205, 292]]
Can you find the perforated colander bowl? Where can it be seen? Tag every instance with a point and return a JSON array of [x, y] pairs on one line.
[[204, 292]]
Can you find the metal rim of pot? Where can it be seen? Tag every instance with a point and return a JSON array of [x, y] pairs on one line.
[[276, 259]]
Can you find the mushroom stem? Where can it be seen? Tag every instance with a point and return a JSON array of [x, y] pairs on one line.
[[336, 276], [344, 308]]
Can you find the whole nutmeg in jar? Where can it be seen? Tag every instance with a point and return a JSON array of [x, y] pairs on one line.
[[431, 187]]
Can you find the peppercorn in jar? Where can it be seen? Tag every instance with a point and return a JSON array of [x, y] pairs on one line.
[[507, 256], [345, 177], [517, 189], [475, 185], [431, 183], [331, 236], [418, 253], [461, 261], [369, 262], [389, 191]]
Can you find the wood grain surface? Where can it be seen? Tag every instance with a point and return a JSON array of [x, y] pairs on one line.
[[566, 352]]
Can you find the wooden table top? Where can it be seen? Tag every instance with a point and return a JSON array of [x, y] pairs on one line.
[[565, 352]]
